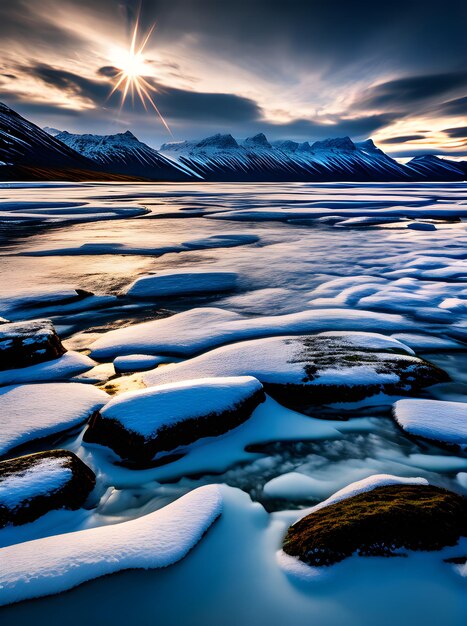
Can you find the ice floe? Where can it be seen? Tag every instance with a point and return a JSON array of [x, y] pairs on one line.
[[69, 365], [38, 411], [54, 564], [137, 362], [101, 248], [437, 420], [182, 282], [202, 328]]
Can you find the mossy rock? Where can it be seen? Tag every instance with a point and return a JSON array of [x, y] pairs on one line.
[[381, 522], [302, 372], [395, 372], [33, 485], [28, 343]]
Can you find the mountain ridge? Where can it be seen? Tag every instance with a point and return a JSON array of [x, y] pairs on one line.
[[30, 152]]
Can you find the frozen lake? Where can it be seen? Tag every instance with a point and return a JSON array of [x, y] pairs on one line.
[[296, 258]]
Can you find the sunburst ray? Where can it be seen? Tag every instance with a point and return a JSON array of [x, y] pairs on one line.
[[130, 79]]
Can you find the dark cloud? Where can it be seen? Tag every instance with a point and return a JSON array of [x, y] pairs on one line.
[[108, 71], [456, 133], [420, 44], [403, 138], [69, 82], [180, 105], [457, 107], [177, 104], [405, 93], [334, 33], [21, 22], [357, 128]]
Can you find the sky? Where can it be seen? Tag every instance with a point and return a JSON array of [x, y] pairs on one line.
[[395, 71]]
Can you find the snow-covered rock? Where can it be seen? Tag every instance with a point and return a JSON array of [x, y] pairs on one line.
[[35, 484], [159, 539], [137, 362], [23, 344], [203, 328], [304, 371], [380, 516], [168, 283], [421, 226], [69, 365], [29, 413], [139, 425], [437, 420]]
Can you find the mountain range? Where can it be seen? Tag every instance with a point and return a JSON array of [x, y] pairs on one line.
[[28, 152], [222, 158]]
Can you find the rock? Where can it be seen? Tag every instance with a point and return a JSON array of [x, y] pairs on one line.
[[38, 414], [379, 522], [33, 485], [167, 283], [137, 362], [327, 368], [421, 226], [28, 343], [65, 367], [139, 425], [435, 420]]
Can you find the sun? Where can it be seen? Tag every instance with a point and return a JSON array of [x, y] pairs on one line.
[[132, 69], [130, 64]]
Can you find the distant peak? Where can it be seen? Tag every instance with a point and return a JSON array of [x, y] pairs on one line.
[[427, 158], [368, 145], [286, 144], [304, 147], [259, 140], [54, 131], [218, 141], [175, 145], [335, 143]]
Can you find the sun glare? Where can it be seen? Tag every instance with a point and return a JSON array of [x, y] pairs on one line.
[[132, 69], [132, 65]]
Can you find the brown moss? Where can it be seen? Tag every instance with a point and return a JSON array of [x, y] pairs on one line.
[[379, 523], [317, 353]]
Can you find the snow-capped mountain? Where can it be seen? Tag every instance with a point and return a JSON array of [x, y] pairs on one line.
[[27, 151], [123, 153], [22, 143], [222, 158], [52, 131], [431, 167]]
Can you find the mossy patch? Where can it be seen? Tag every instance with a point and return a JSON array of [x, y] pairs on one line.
[[381, 522]]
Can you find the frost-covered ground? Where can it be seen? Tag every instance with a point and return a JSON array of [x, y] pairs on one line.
[[287, 259]]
